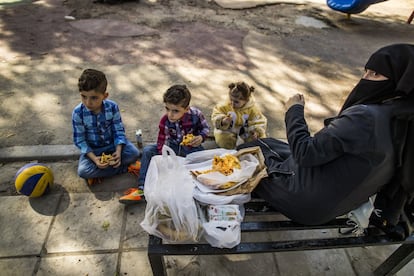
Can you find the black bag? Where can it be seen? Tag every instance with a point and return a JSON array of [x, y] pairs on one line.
[[395, 200]]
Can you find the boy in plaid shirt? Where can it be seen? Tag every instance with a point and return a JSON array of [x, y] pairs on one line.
[[98, 129], [180, 120]]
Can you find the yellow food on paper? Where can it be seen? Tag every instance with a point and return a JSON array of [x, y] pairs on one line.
[[187, 139], [224, 165], [105, 158], [227, 185]]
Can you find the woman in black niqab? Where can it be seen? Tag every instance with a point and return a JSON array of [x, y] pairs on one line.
[[395, 62], [321, 176]]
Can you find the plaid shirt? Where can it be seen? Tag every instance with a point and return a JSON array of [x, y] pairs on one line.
[[92, 131], [193, 122]]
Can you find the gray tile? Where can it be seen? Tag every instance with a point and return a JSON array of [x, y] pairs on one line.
[[18, 266], [313, 262], [135, 263], [8, 172], [367, 259], [135, 236], [407, 270], [97, 264], [87, 223], [118, 183], [66, 179], [43, 152], [240, 265], [25, 223]]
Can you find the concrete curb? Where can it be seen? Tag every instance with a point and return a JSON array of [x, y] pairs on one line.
[[39, 153]]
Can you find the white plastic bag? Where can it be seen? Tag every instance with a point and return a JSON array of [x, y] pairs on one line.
[[211, 198], [222, 229], [171, 213], [222, 234], [359, 217]]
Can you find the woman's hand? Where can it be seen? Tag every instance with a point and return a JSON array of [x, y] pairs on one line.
[[295, 99]]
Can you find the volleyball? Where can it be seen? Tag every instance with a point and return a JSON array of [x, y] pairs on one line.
[[33, 179]]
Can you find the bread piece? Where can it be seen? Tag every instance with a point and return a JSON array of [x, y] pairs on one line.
[[187, 139]]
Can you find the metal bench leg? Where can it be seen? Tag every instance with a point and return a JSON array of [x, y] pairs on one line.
[[156, 260], [157, 265], [402, 256], [410, 18]]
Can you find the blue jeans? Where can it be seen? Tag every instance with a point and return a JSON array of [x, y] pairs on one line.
[[151, 150], [88, 169]]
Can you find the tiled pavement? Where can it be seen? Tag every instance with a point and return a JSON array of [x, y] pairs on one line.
[[76, 230]]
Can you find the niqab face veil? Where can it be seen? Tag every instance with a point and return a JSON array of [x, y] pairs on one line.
[[396, 62]]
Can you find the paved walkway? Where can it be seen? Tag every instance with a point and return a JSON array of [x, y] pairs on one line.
[[77, 230]]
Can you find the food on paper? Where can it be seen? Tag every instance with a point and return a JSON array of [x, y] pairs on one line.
[[224, 165], [227, 185]]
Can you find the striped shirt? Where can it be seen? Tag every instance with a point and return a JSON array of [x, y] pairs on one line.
[[193, 122], [92, 131]]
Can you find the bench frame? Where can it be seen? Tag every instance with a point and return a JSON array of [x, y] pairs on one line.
[[374, 237]]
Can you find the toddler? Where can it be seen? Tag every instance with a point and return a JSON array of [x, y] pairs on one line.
[[239, 119]]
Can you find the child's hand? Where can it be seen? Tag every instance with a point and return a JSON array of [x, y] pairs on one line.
[[99, 164], [197, 140], [226, 121], [115, 160], [254, 135], [187, 139]]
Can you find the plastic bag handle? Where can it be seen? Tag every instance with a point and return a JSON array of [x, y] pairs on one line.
[[169, 155]]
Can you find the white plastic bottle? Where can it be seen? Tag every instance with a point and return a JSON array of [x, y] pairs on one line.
[[138, 137]]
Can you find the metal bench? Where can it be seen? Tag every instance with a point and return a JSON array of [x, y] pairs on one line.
[[267, 222]]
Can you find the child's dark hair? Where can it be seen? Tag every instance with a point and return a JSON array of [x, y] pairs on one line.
[[241, 90], [178, 95], [92, 79]]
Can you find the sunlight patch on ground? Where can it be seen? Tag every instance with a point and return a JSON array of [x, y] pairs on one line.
[[310, 22], [242, 4], [5, 3], [11, 1]]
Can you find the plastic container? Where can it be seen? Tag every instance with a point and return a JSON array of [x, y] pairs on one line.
[[138, 138]]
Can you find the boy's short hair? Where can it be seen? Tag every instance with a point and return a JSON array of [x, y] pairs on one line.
[[92, 79], [178, 95]]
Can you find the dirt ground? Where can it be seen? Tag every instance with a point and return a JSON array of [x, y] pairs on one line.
[[281, 48], [145, 46]]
